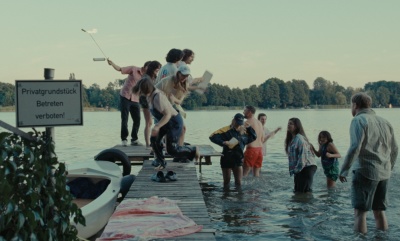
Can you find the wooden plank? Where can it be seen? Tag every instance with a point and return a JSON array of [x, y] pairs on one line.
[[138, 154], [186, 190]]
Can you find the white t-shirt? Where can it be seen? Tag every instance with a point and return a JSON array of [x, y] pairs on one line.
[[169, 69]]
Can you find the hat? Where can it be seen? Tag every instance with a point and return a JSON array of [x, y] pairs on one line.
[[239, 118], [184, 69]]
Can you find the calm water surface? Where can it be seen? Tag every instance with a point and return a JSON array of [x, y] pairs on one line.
[[265, 208]]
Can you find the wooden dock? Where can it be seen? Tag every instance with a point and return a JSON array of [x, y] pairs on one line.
[[138, 154], [186, 190]]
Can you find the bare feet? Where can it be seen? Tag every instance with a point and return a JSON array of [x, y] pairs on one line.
[[197, 156], [162, 165]]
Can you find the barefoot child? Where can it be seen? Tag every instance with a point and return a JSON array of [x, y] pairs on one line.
[[329, 157]]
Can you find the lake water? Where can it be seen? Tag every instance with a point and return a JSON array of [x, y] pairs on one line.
[[265, 208]]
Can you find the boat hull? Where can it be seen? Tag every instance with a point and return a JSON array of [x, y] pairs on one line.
[[97, 211]]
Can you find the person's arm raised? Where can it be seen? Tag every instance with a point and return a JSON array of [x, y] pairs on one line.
[[116, 67]]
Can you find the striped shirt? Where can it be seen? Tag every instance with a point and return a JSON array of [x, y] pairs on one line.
[[373, 148]]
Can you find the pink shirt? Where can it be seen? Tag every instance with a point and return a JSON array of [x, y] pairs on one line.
[[134, 75]]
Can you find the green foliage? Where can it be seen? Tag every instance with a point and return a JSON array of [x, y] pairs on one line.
[[272, 93], [194, 100], [271, 89], [384, 93], [35, 202], [6, 94], [301, 97]]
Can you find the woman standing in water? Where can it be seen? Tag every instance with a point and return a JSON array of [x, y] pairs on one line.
[[300, 155]]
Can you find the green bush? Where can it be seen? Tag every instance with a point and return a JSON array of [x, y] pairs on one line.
[[35, 202]]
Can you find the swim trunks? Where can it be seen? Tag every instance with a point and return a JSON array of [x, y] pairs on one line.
[[253, 157]]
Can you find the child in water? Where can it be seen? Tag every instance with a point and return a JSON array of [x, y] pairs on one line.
[[329, 157]]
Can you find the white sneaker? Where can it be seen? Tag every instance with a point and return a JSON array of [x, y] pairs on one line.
[[125, 143]]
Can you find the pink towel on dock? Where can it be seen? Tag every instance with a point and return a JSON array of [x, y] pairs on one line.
[[146, 219]]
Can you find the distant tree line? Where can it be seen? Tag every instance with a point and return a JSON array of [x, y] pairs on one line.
[[273, 93]]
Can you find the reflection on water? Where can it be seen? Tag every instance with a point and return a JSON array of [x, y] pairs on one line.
[[267, 209], [264, 208]]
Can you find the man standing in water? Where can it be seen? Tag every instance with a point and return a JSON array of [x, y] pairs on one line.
[[262, 117], [373, 151], [253, 156]]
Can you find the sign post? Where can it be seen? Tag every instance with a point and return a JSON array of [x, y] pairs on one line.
[[49, 75]]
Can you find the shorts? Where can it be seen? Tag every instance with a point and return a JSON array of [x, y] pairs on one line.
[[331, 169], [225, 163], [253, 157], [368, 194], [304, 179], [143, 102]]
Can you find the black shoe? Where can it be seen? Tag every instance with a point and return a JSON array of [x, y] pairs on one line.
[[158, 177], [171, 176], [176, 159]]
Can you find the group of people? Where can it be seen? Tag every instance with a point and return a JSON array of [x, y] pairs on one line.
[[159, 91], [372, 155], [234, 138]]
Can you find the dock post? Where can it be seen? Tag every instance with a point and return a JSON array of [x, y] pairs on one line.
[[49, 75]]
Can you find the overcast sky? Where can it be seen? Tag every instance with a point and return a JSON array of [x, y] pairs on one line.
[[242, 43]]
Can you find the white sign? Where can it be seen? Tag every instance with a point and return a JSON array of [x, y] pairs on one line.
[[48, 102]]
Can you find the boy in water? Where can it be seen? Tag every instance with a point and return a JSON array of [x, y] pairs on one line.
[[253, 155]]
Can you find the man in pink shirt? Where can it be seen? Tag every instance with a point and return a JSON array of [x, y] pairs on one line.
[[129, 102]]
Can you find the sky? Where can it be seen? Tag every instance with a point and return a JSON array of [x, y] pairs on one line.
[[242, 43]]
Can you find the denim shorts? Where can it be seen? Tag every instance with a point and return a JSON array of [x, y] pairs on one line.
[[368, 194]]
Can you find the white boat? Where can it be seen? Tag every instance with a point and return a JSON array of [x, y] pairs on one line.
[[96, 211]]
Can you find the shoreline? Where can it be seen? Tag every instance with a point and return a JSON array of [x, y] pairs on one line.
[[85, 109], [211, 108]]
